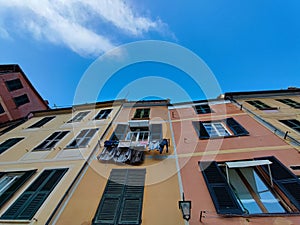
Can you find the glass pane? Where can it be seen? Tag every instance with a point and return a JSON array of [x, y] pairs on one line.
[[243, 195], [268, 199], [7, 181]]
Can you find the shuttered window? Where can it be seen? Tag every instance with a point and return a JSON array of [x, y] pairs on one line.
[[103, 114], [122, 200], [223, 197], [82, 139], [10, 182], [42, 122], [294, 124], [290, 103], [51, 141], [260, 105], [285, 179], [233, 199], [119, 133], [156, 131], [220, 128], [25, 207], [79, 116], [9, 143]]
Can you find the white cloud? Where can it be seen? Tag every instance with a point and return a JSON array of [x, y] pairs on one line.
[[86, 27]]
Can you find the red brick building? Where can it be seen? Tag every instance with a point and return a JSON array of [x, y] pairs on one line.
[[18, 97]]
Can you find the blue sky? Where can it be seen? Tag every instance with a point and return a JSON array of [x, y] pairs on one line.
[[248, 45]]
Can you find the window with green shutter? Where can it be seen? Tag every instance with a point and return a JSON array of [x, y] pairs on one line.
[[292, 123], [260, 105], [122, 200], [26, 206], [10, 182], [42, 122], [290, 103], [247, 187], [103, 114], [142, 113], [9, 143], [220, 128]]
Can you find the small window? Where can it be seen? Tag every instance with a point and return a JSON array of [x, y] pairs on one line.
[[220, 128], [103, 114], [82, 139], [13, 85], [51, 141], [78, 117], [9, 143], [294, 124], [260, 105], [203, 109], [21, 100], [10, 182], [122, 199], [26, 206], [142, 113], [248, 187], [290, 103], [42, 122], [1, 109]]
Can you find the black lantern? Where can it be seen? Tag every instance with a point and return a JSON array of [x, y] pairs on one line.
[[185, 207]]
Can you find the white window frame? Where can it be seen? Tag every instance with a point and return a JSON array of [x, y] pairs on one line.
[[216, 130]]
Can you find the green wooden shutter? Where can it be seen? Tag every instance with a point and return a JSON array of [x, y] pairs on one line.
[[235, 127], [156, 131], [223, 197], [284, 179], [200, 129], [25, 207], [9, 143], [12, 189], [122, 200]]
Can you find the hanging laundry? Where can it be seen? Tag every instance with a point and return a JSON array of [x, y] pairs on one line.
[[162, 145], [154, 144]]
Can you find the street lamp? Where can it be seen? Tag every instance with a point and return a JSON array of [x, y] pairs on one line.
[[185, 207]]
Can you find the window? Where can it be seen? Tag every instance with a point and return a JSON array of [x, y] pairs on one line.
[[249, 188], [120, 132], [21, 100], [42, 122], [220, 128], [51, 141], [9, 143], [202, 109], [13, 85], [10, 182], [294, 124], [137, 136], [260, 105], [142, 113], [290, 102], [26, 206], [79, 117], [1, 109], [82, 139], [122, 199], [103, 114]]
